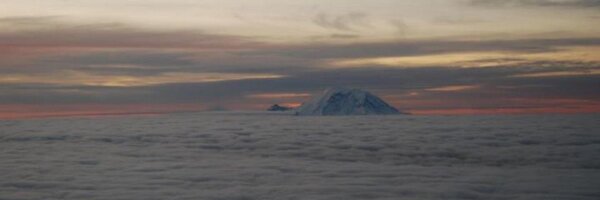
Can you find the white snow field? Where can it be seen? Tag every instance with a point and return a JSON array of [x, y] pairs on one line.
[[345, 101], [255, 156]]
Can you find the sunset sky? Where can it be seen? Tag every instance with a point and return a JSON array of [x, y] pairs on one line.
[[72, 57]]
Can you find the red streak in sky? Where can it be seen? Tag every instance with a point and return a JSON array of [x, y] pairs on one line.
[[425, 107], [21, 111], [491, 111]]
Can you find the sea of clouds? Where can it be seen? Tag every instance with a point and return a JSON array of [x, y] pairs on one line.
[[255, 156]]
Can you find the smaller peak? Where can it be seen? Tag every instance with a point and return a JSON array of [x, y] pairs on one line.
[[277, 107]]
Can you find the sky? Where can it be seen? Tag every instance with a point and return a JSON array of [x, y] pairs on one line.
[[86, 57]]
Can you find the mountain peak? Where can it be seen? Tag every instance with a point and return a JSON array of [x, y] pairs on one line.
[[346, 101]]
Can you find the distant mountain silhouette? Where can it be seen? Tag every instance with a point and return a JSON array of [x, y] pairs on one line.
[[277, 107]]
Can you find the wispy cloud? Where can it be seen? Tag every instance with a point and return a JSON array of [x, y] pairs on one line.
[[583, 72], [423, 47], [47, 60], [48, 32], [82, 78], [28, 21], [453, 88], [346, 22], [447, 20]]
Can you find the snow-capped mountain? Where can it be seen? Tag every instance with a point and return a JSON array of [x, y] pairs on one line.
[[344, 101]]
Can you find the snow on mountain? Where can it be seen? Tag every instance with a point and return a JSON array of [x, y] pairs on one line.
[[345, 101]]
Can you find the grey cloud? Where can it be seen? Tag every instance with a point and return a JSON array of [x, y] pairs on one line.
[[344, 36], [579, 87], [142, 63], [51, 94], [49, 32], [146, 58], [345, 22], [29, 21], [138, 63], [336, 36], [155, 52], [447, 20], [496, 82], [277, 58], [103, 38], [401, 26], [195, 51], [54, 45], [429, 47]]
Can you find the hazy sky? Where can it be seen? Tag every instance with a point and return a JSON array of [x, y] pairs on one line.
[[430, 56]]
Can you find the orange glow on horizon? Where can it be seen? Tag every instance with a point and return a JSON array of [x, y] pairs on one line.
[[70, 77], [497, 106], [278, 95], [291, 105], [453, 88], [415, 106], [505, 111], [22, 111]]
